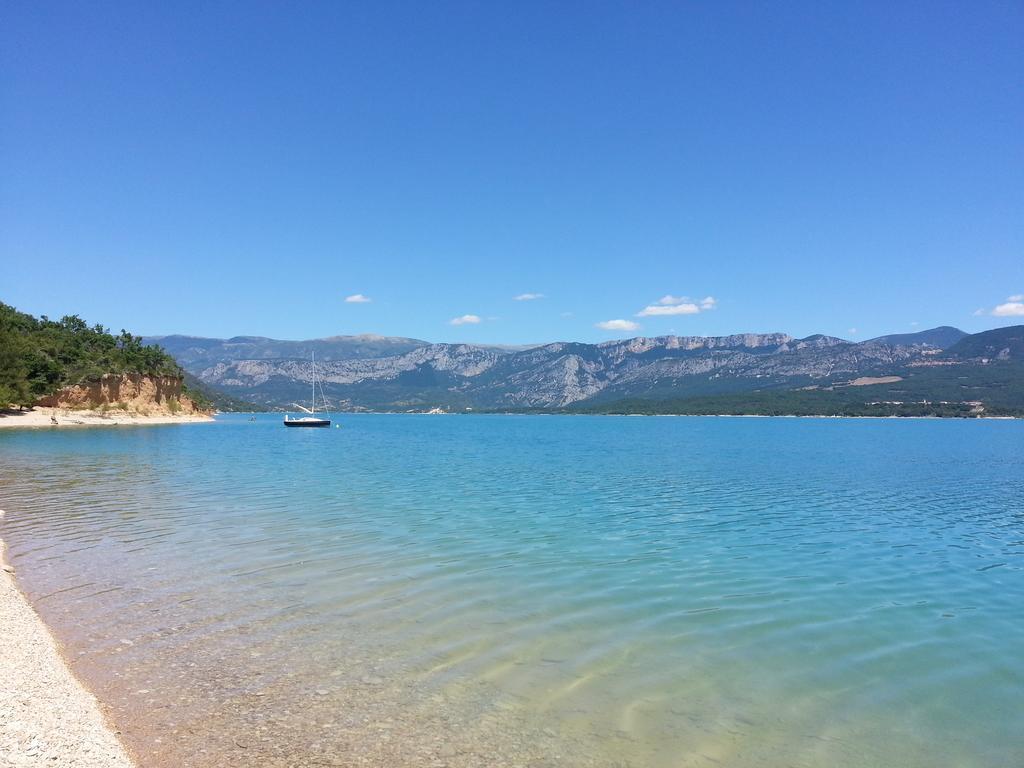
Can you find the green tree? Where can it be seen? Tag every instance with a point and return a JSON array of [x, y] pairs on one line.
[[38, 356], [14, 385]]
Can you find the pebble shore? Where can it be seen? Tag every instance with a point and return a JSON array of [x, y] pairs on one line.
[[47, 718]]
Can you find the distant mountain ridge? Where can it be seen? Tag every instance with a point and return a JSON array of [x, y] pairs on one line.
[[943, 337], [190, 351], [382, 373], [997, 344]]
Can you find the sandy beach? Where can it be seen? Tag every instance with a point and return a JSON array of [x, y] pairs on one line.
[[44, 417], [46, 716]]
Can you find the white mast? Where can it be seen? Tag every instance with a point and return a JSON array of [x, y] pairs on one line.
[[314, 382]]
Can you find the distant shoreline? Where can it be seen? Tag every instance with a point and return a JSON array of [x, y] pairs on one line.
[[37, 418], [655, 415]]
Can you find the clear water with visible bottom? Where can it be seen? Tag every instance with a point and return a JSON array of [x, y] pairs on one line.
[[515, 590]]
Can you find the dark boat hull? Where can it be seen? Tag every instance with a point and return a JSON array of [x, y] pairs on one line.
[[307, 422]]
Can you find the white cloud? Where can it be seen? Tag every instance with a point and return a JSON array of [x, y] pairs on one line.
[[677, 305], [979, 312], [661, 309], [528, 296], [852, 331], [1010, 309], [914, 324], [357, 298], [465, 320], [618, 325]]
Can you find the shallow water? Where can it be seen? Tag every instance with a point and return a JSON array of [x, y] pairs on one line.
[[511, 590]]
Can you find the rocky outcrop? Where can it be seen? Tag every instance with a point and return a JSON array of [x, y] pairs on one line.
[[128, 392]]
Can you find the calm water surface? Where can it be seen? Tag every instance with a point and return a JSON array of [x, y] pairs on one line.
[[508, 590]]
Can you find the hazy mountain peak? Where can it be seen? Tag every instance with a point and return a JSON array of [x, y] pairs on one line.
[[996, 344], [942, 337]]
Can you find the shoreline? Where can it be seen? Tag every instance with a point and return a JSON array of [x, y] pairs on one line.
[[37, 417], [660, 415], [47, 717]]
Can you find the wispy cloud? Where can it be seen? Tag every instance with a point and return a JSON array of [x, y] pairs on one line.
[[1018, 297], [465, 320], [618, 325], [668, 300], [357, 298], [852, 331], [528, 297], [708, 302], [661, 309]]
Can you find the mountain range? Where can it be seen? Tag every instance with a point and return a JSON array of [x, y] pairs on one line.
[[402, 374]]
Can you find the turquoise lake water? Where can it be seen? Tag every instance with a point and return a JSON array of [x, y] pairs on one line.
[[530, 590]]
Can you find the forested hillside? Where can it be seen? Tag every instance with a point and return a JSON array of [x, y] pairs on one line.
[[39, 356]]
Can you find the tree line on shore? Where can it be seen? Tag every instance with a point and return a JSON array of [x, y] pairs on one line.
[[39, 356]]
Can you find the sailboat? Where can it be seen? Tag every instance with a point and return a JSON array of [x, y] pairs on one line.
[[311, 420]]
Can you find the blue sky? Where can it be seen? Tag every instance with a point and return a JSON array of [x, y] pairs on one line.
[[221, 169]]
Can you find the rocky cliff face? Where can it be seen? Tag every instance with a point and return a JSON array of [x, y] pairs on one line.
[[129, 392], [456, 376]]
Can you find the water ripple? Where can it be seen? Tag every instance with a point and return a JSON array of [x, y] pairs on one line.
[[649, 592]]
